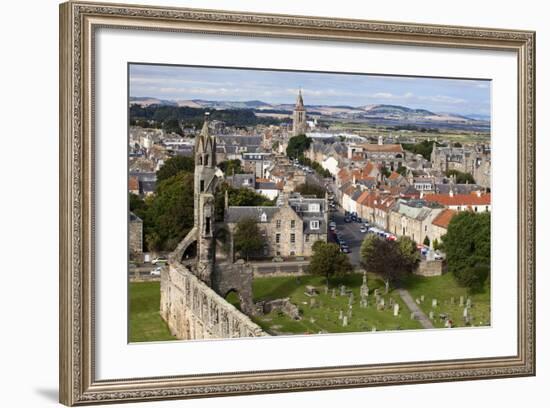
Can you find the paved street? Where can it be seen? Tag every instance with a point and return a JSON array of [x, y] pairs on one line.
[[351, 235]]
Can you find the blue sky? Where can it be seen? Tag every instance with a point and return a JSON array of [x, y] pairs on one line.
[[223, 84]]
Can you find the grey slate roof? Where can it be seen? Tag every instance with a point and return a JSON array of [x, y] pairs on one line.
[[236, 214]]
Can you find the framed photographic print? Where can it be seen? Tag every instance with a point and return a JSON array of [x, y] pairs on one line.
[[256, 203]]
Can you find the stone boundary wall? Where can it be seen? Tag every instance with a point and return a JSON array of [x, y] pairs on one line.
[[292, 268], [430, 268], [194, 311]]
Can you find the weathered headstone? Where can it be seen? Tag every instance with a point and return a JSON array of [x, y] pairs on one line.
[[431, 315], [434, 302], [468, 303], [373, 329], [364, 287], [396, 309], [448, 324], [422, 298], [465, 312], [343, 290], [417, 301], [326, 289], [461, 302], [340, 315], [345, 321]]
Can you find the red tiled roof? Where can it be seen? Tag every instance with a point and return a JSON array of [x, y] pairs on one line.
[[394, 175], [363, 197], [443, 218], [395, 148], [133, 184], [459, 199]]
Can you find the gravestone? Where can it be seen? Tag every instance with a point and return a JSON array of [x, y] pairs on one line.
[[396, 309], [468, 303], [340, 315], [452, 300], [373, 329], [326, 289], [413, 316], [343, 290], [364, 287], [417, 301], [333, 294], [461, 302], [465, 313], [312, 302], [448, 324], [422, 298], [434, 302], [431, 315], [345, 321]]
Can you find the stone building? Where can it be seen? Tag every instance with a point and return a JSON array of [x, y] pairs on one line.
[[389, 155], [299, 123], [475, 160], [135, 236], [288, 229], [413, 219]]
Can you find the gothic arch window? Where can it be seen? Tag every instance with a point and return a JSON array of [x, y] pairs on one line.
[[206, 160], [200, 160]]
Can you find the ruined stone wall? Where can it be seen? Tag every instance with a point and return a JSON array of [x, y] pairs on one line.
[[429, 268], [193, 310]]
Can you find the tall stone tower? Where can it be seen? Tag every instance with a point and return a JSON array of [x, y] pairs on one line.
[[204, 212], [299, 124]]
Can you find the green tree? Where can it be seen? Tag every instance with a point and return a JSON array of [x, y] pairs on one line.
[[175, 165], [230, 167], [169, 215], [402, 170], [424, 148], [311, 189], [467, 245], [248, 239], [137, 205], [385, 171], [172, 125], [409, 253], [385, 259], [426, 241], [242, 197], [436, 244], [461, 177], [297, 145], [474, 278], [328, 261]]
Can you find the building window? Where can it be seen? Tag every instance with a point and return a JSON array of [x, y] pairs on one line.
[[277, 238], [314, 225], [292, 223], [207, 229], [292, 238], [314, 208], [263, 217], [278, 224], [202, 186], [486, 208]]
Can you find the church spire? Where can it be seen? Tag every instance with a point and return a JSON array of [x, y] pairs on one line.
[[205, 146], [299, 101]]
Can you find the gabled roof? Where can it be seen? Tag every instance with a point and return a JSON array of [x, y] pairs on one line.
[[460, 199], [443, 218]]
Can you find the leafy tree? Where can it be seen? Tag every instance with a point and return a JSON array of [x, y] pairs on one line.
[[426, 241], [475, 277], [241, 197], [230, 167], [175, 165], [402, 170], [172, 125], [461, 177], [248, 238], [385, 259], [169, 214], [328, 261], [408, 252], [311, 189], [385, 171], [424, 148], [137, 204], [436, 244], [467, 245], [297, 145]]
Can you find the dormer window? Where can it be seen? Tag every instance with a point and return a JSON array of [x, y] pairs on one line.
[[263, 217], [314, 207], [314, 225]]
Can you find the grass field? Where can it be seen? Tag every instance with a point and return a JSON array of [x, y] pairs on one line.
[[145, 321], [323, 316], [444, 288]]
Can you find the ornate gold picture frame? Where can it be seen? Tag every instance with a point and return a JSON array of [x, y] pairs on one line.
[[78, 24]]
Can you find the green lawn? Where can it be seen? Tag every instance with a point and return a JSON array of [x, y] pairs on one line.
[[323, 316], [145, 321], [443, 288]]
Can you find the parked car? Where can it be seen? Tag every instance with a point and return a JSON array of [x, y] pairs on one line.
[[277, 259], [347, 219], [345, 250], [363, 229], [359, 220], [159, 260], [438, 256], [156, 271], [332, 224]]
